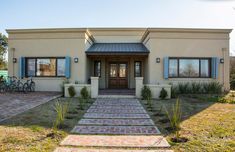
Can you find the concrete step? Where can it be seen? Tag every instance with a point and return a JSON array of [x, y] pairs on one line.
[[115, 107], [117, 122], [117, 96], [72, 149], [114, 110], [115, 141], [117, 115], [116, 130]]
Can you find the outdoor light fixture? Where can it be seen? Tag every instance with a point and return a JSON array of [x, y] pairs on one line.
[[221, 60], [75, 60], [158, 60], [14, 60]]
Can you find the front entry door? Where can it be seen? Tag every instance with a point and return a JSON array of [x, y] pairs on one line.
[[118, 75]]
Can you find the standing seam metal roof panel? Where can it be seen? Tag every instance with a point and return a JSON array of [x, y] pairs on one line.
[[117, 48]]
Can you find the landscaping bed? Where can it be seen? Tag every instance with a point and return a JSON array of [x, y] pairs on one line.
[[207, 125], [34, 130]]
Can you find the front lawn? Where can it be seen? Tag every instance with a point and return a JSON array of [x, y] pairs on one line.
[[209, 126], [33, 129]]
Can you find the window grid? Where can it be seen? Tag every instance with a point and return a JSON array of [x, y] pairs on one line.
[[138, 65], [97, 68], [36, 70], [178, 67]]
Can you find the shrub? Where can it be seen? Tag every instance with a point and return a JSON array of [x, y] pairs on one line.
[[225, 100], [61, 111], [174, 117], [71, 91], [174, 91], [146, 93], [196, 87], [65, 81], [184, 88], [212, 87], [163, 94], [76, 82], [232, 84], [84, 93]]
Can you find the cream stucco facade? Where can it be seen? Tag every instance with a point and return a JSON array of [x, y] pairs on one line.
[[161, 42]]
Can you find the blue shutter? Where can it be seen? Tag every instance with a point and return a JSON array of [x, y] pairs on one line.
[[166, 67], [21, 69], [67, 66], [214, 67]]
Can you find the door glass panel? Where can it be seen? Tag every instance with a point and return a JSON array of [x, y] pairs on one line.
[[122, 70], [113, 70]]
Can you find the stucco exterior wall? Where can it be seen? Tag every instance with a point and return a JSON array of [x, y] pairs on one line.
[[162, 44], [50, 45]]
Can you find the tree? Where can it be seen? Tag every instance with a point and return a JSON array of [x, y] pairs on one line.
[[3, 50]]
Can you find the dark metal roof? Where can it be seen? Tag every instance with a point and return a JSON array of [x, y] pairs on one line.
[[99, 48]]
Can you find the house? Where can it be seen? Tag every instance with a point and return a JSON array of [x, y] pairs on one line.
[[118, 55]]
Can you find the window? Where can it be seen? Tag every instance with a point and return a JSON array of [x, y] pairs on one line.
[[60, 67], [45, 67], [31, 67], [173, 68], [189, 67], [97, 69], [138, 72], [205, 70]]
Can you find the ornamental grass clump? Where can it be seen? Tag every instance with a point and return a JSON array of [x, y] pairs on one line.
[[82, 102], [196, 87], [184, 88], [174, 91], [174, 117], [61, 111], [212, 87]]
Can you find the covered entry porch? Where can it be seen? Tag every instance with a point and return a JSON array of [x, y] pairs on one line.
[[117, 65]]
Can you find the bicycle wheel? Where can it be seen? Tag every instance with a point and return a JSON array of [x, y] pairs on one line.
[[20, 86], [12, 88], [32, 86], [25, 87]]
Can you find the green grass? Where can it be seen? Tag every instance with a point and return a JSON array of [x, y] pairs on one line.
[[209, 126], [32, 131]]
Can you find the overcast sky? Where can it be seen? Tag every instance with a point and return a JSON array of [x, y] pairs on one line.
[[118, 13]]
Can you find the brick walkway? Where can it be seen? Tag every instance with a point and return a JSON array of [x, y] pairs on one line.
[[14, 103], [114, 123], [111, 109]]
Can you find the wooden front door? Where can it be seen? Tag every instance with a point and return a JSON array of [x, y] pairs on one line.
[[118, 75]]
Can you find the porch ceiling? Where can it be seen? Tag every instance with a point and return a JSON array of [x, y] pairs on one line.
[[117, 49]]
